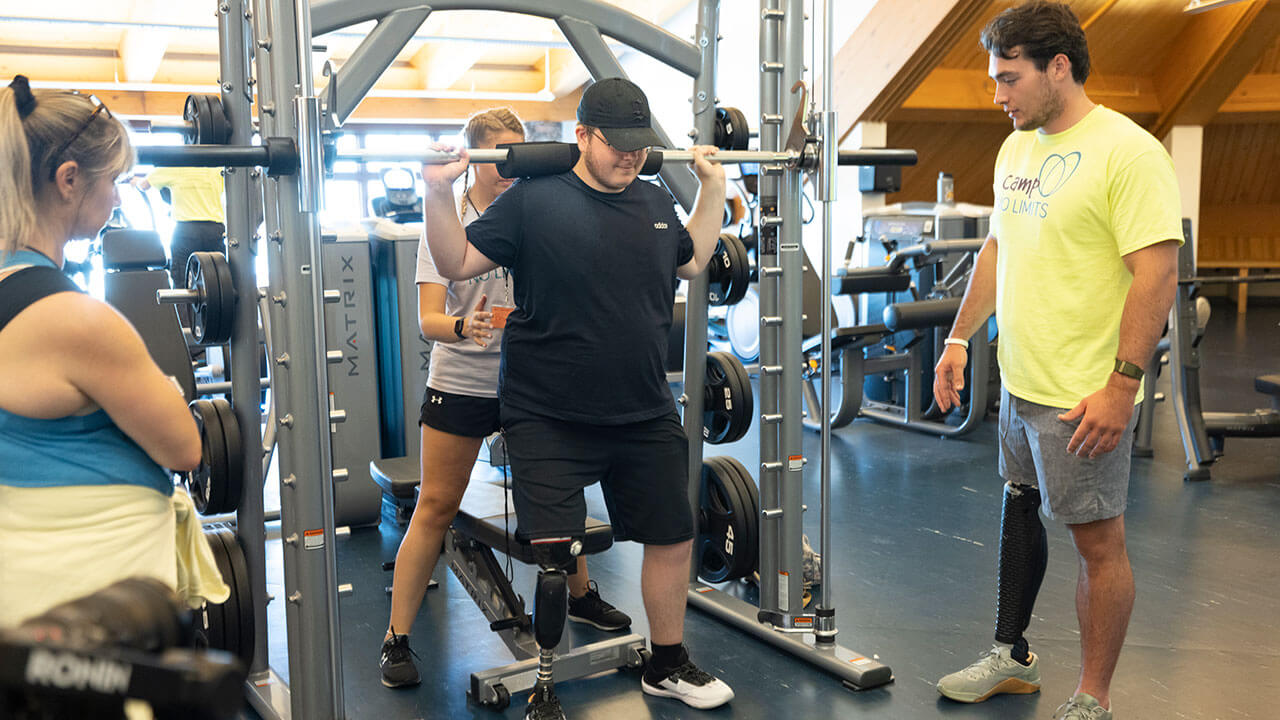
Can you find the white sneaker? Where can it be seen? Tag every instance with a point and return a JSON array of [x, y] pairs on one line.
[[690, 685]]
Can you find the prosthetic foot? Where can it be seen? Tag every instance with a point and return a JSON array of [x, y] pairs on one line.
[[557, 557]]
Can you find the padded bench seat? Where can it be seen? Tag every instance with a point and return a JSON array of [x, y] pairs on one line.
[[397, 476], [483, 512], [483, 517], [840, 337]]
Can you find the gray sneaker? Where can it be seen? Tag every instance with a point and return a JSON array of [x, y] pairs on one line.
[[994, 673], [1081, 707]]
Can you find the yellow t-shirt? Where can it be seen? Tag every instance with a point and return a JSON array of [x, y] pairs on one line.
[[196, 192], [1068, 207]]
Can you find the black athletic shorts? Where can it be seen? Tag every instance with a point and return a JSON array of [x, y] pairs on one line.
[[465, 415], [643, 469]]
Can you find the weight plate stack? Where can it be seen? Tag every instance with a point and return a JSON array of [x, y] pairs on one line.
[[728, 527]]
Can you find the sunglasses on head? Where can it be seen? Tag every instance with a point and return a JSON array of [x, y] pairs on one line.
[[100, 109]]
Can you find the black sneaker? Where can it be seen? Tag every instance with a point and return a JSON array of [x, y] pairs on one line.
[[688, 684], [543, 705], [398, 669], [592, 610]]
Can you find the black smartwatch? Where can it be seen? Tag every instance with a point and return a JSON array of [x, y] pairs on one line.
[[457, 330], [1128, 369]]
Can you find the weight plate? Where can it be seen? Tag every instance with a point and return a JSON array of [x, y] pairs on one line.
[[244, 596], [726, 413], [190, 112], [219, 128], [720, 133], [206, 319], [234, 478], [740, 275], [226, 297], [746, 532], [217, 612], [747, 486], [740, 136], [207, 482], [231, 608], [721, 524], [742, 324], [720, 273]]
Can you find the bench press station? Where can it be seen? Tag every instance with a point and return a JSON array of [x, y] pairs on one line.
[[537, 642]]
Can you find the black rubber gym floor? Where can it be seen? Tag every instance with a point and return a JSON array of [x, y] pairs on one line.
[[912, 568]]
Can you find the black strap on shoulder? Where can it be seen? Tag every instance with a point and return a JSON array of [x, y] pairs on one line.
[[26, 286]]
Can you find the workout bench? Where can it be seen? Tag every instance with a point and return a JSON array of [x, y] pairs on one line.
[[480, 527]]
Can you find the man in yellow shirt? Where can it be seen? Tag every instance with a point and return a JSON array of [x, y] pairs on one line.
[[1080, 269], [196, 194]]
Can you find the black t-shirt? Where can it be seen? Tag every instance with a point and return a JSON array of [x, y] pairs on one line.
[[594, 280]]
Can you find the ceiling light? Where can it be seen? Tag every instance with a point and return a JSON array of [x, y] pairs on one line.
[[1199, 6]]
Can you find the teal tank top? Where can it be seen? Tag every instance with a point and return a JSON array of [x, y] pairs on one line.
[[73, 450]]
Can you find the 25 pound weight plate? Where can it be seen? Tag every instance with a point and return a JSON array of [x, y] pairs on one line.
[[727, 400]]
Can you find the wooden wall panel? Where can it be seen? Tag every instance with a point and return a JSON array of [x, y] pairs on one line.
[[1240, 194], [967, 150]]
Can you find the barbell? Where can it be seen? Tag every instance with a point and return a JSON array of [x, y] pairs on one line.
[[547, 158]]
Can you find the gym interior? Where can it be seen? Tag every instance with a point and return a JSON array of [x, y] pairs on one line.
[[848, 528]]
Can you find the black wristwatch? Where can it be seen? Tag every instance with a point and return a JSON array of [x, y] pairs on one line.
[[457, 330], [1128, 369]]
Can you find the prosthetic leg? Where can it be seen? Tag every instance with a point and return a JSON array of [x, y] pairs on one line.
[[1024, 553], [557, 559]]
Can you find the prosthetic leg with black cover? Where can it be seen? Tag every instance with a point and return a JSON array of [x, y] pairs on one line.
[[1024, 552], [557, 559]]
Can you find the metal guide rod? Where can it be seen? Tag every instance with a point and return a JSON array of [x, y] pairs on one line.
[[825, 625], [879, 156], [706, 36]]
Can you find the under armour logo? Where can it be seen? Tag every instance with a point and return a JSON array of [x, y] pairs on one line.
[[638, 111], [437, 400]]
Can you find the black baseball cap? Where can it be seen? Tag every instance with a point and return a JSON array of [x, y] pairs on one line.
[[620, 110]]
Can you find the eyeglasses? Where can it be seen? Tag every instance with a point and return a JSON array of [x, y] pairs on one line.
[[99, 110], [611, 147]]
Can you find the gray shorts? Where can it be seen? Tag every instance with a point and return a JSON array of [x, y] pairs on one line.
[[1073, 488]]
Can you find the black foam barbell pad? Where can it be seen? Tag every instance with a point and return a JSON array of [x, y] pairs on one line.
[[534, 159]]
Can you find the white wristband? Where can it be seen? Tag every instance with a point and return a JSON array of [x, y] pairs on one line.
[[957, 341]]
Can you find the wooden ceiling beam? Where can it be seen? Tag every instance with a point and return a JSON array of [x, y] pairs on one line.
[[893, 50], [373, 109], [972, 90], [1209, 59]]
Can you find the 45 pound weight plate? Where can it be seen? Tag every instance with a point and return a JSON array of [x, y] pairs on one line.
[[727, 543]]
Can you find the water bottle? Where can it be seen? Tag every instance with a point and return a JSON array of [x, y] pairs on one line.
[[946, 189]]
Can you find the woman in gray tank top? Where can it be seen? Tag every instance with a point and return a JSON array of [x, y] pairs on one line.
[[459, 409]]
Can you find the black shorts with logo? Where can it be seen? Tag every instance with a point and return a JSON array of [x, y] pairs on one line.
[[642, 468], [465, 415]]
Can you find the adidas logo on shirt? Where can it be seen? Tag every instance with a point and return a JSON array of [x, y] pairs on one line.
[[659, 226]]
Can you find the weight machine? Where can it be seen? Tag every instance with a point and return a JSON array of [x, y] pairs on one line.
[[280, 179]]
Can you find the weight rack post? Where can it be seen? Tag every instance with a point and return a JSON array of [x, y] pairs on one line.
[[288, 108], [237, 97], [706, 35]]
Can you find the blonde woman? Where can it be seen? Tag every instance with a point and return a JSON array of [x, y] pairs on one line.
[[88, 422], [460, 409]]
